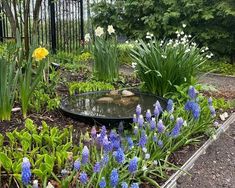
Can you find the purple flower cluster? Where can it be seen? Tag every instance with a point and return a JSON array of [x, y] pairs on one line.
[[97, 167], [176, 130], [143, 139], [119, 156], [212, 109], [194, 108], [148, 115], [152, 124], [102, 183], [192, 92], [141, 121], [170, 106], [138, 110], [114, 139], [77, 165], [85, 155], [157, 109], [134, 185], [114, 177], [83, 177], [130, 142], [160, 126], [133, 165], [25, 171]]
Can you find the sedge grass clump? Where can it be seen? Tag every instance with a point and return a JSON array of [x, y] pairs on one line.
[[162, 65]]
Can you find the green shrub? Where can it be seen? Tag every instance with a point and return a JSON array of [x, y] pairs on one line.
[[82, 87], [124, 53], [162, 65]]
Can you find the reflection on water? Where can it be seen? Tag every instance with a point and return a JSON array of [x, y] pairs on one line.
[[104, 105]]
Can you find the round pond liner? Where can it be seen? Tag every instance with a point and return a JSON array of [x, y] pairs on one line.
[[86, 108]]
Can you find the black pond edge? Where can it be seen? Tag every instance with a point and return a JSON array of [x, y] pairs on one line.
[[172, 181], [108, 121]]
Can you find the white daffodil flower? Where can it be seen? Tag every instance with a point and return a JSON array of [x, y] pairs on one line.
[[99, 31], [111, 30]]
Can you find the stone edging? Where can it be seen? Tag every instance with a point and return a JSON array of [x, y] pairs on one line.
[[172, 181]]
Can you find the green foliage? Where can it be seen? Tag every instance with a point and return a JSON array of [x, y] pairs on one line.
[[82, 87], [44, 96], [220, 103], [211, 22], [220, 67], [105, 54], [47, 151], [163, 65], [124, 51], [9, 74], [29, 80]]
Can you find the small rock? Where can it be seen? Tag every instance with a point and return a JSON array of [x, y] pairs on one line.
[[127, 93], [114, 92], [16, 109], [105, 100], [222, 117]]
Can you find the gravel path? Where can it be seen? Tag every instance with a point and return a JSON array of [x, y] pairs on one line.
[[225, 84], [216, 168]]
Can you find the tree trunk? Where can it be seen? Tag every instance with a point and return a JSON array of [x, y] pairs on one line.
[[7, 9], [36, 17], [26, 26]]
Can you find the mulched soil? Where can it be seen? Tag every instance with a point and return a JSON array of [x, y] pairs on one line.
[[216, 168]]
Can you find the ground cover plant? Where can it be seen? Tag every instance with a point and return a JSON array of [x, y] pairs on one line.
[[46, 156]]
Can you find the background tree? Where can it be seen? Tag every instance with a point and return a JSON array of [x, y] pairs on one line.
[[211, 22]]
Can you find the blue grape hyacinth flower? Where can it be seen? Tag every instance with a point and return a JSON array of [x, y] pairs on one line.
[[83, 178], [192, 92], [160, 143], [124, 185], [138, 110], [194, 108], [141, 121], [133, 165], [25, 171], [134, 118], [102, 183], [85, 155], [160, 126], [143, 139], [152, 124], [130, 142], [119, 156], [158, 105], [156, 111], [77, 165], [97, 167], [170, 106], [134, 185], [114, 178], [148, 115]]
